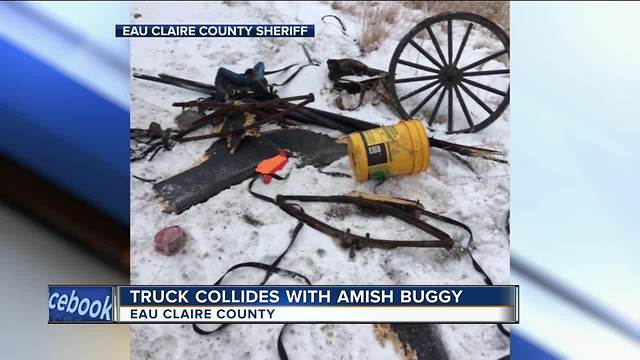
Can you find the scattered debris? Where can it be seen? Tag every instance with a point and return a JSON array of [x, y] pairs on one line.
[[144, 179], [235, 111], [259, 99], [221, 169], [414, 335], [268, 167], [342, 73], [342, 27], [251, 220], [399, 208], [412, 341], [170, 240], [187, 119], [384, 333], [149, 141], [239, 119], [401, 149], [340, 68]]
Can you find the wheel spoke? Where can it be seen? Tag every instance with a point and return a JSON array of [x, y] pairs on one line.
[[450, 118], [486, 72], [437, 107], [418, 66], [418, 78], [425, 53], [485, 87], [425, 100], [435, 43], [418, 90], [450, 40], [484, 60], [464, 107], [462, 44], [476, 99]]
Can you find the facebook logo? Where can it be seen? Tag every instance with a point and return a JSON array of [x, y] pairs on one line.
[[80, 304]]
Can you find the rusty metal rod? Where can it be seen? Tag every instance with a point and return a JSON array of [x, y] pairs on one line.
[[353, 241], [290, 108], [244, 105]]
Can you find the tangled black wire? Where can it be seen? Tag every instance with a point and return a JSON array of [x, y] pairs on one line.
[[149, 141]]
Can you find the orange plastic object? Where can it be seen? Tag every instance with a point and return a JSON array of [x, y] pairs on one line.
[[269, 166]]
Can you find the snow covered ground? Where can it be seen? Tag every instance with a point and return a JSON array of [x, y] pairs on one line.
[[218, 237]]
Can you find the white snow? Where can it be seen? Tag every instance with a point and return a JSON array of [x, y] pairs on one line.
[[218, 237]]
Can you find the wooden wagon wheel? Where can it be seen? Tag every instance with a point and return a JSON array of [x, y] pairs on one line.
[[464, 66]]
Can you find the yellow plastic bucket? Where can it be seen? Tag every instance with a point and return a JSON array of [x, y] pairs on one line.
[[401, 149]]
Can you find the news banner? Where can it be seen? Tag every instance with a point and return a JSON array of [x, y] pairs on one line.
[[283, 304]]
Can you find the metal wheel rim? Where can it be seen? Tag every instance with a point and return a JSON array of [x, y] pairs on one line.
[[450, 58]]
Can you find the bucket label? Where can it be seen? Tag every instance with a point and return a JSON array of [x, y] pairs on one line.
[[376, 148], [377, 154]]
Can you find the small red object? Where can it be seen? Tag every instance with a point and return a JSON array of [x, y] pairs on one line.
[[269, 166], [170, 240]]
